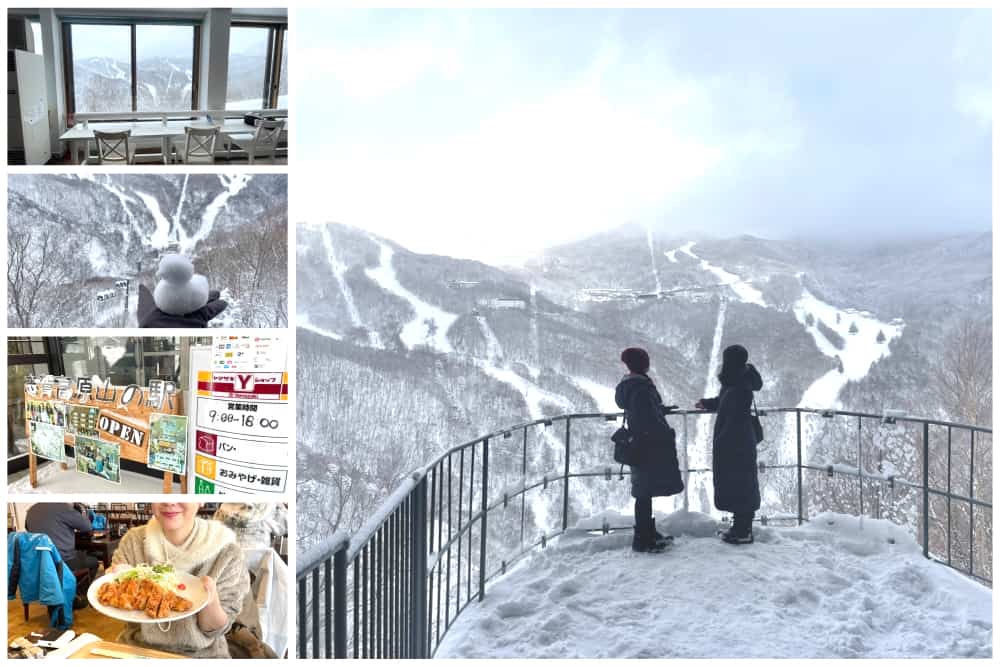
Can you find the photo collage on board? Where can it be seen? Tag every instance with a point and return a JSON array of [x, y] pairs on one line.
[[647, 332], [149, 396]]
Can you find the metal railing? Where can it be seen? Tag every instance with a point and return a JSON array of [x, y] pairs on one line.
[[395, 588]]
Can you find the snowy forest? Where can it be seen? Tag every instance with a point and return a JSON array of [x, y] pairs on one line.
[[403, 355], [79, 246]]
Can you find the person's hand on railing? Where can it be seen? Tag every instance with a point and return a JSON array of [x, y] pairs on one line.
[[699, 405]]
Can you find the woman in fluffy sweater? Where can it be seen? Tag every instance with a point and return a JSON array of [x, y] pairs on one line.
[[203, 548]]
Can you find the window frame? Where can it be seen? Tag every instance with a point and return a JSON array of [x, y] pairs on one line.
[[69, 77], [276, 42]]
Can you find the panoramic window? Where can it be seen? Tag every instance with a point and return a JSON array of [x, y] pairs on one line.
[[164, 57], [134, 67], [248, 59], [102, 78]]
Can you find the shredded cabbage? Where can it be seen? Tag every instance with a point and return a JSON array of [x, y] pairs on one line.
[[162, 574]]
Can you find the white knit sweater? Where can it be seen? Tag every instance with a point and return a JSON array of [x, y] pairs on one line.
[[210, 550]]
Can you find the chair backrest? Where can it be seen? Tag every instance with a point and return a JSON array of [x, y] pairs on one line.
[[199, 144], [113, 146], [267, 133]]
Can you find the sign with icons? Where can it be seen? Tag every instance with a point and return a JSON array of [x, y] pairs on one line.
[[240, 434]]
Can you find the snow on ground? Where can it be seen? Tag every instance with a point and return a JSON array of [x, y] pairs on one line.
[[671, 255], [833, 588], [430, 325]]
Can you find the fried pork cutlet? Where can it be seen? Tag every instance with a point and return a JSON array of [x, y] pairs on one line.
[[145, 595]]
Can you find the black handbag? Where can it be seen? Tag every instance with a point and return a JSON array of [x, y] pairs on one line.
[[758, 428], [628, 450]]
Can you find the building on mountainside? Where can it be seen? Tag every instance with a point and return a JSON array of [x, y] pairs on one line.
[[499, 303]]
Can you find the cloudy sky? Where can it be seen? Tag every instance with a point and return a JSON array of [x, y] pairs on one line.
[[492, 134]]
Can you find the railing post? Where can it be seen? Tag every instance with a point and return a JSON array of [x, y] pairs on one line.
[[303, 625], [565, 518], [798, 457], [927, 497], [340, 602], [418, 572], [484, 503], [687, 464]]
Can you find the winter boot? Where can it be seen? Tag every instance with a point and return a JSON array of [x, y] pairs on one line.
[[741, 531], [731, 537], [663, 540], [644, 540]]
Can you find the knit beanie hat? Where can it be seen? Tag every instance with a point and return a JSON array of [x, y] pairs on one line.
[[735, 356], [180, 290], [637, 359], [734, 362]]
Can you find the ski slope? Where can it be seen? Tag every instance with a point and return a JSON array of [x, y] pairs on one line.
[[430, 325], [832, 588], [861, 349], [742, 288]]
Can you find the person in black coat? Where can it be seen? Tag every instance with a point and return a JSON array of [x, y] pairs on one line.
[[659, 473], [734, 447]]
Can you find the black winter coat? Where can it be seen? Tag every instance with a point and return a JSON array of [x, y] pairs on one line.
[[151, 317], [734, 448], [659, 474]]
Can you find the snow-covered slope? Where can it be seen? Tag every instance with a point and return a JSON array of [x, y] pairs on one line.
[[832, 588]]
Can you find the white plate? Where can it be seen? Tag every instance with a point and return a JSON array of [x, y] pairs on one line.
[[194, 591]]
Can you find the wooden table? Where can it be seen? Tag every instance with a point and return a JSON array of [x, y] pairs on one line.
[[103, 547], [86, 652], [79, 136]]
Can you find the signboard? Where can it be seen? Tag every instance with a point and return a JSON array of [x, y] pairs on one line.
[[106, 423], [168, 443], [242, 422]]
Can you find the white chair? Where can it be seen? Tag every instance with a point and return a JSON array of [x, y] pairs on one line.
[[114, 147], [198, 146], [264, 140]]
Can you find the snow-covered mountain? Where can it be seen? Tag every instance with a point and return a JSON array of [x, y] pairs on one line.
[[104, 83], [74, 237], [410, 354]]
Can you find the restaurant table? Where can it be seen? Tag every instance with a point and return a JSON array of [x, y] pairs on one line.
[[80, 135], [101, 545]]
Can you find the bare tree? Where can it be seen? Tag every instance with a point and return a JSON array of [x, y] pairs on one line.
[[964, 374], [39, 268]]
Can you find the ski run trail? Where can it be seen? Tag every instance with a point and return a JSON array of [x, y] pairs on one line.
[[430, 324], [430, 327], [832, 588], [861, 350], [170, 230], [339, 269]]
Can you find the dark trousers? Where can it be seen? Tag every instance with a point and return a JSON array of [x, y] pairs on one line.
[[742, 523], [81, 561], [643, 513]]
